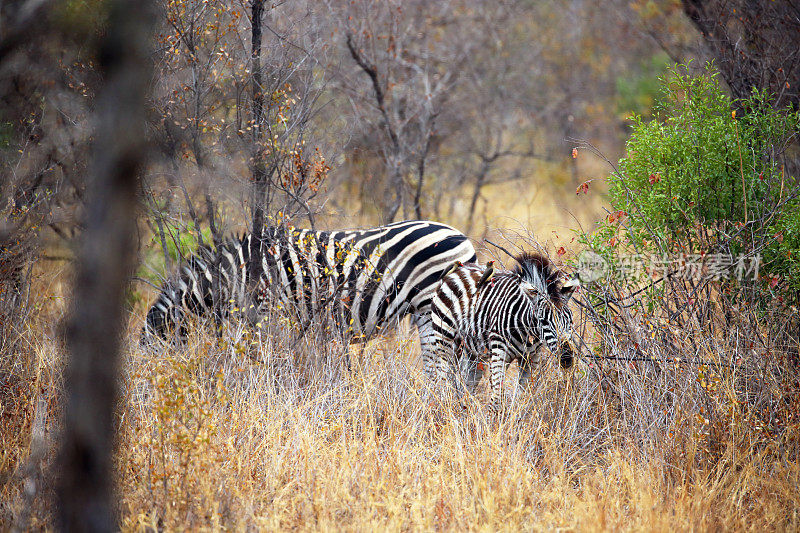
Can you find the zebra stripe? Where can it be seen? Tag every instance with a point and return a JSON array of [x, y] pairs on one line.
[[509, 317], [372, 277]]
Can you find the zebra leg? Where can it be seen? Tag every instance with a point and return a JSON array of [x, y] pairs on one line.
[[444, 366], [427, 342], [497, 371], [439, 365]]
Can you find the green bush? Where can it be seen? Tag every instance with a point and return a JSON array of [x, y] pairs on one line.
[[704, 175], [782, 256]]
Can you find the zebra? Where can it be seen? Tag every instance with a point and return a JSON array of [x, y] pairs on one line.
[[481, 314], [369, 278]]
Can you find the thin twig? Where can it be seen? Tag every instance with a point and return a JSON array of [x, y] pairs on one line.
[[512, 256]]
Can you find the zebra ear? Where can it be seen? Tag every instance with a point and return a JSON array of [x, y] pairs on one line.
[[569, 287]]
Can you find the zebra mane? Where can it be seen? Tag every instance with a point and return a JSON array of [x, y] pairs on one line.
[[540, 272]]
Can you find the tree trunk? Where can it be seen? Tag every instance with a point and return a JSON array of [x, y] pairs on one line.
[[86, 499], [259, 165]]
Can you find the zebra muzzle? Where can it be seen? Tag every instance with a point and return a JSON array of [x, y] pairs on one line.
[[567, 357]]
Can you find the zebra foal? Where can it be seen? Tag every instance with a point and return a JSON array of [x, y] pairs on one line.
[[367, 279], [481, 314]]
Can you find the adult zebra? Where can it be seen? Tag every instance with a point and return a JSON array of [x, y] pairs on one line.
[[369, 279], [501, 316]]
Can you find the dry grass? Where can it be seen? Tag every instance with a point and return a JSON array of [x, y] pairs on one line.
[[250, 434]]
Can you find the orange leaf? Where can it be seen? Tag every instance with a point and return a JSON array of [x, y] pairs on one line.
[[616, 215]]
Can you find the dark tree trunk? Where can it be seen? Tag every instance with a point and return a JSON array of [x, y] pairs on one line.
[[86, 496], [216, 274], [260, 175]]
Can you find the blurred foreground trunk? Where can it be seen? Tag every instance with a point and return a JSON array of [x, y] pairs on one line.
[[105, 260]]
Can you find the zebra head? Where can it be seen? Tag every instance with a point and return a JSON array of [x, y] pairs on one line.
[[546, 313]]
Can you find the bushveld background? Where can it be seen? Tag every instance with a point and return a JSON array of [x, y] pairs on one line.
[[664, 131]]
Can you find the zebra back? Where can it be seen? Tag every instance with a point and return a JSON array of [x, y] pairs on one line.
[[368, 278]]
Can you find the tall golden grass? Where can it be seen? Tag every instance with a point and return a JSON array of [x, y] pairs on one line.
[[260, 431]]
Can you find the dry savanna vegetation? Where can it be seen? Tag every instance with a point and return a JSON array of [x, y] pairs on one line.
[[243, 433], [661, 137]]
